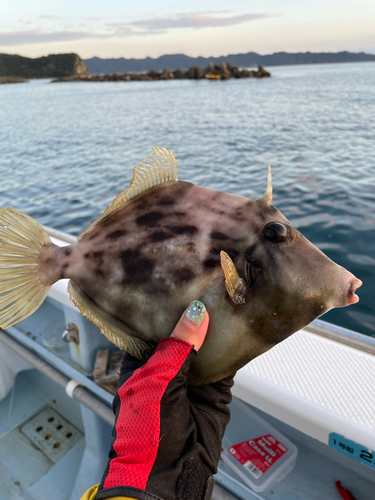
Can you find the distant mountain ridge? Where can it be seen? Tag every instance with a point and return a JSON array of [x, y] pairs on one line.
[[180, 61], [53, 65]]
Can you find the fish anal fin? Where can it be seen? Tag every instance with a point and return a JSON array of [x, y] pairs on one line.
[[113, 330], [158, 168]]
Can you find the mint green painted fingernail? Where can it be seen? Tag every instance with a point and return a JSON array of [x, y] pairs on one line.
[[196, 312]]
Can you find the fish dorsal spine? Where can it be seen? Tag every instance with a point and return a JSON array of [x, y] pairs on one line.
[[157, 168]]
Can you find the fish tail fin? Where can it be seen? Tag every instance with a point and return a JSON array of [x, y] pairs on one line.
[[21, 291]]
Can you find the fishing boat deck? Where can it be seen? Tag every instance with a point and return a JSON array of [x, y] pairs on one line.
[[315, 384], [316, 388], [320, 393]]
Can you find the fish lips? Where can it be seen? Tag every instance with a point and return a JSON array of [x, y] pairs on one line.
[[350, 297], [348, 285]]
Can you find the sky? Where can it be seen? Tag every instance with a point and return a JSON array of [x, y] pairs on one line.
[[131, 28]]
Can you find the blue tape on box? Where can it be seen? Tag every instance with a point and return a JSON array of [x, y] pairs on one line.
[[351, 449]]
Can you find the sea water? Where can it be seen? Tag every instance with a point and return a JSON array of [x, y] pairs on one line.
[[66, 150]]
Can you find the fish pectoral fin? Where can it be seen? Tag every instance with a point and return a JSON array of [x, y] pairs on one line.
[[157, 168], [236, 286], [113, 330]]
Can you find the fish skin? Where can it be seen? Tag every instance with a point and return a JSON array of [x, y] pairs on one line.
[[146, 262]]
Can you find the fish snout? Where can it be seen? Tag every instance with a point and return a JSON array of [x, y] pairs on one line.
[[352, 297], [350, 285]]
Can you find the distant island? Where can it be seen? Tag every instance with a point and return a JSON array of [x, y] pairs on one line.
[[11, 79], [212, 72], [14, 67], [173, 62]]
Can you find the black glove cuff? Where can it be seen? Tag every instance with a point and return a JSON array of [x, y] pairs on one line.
[[195, 482], [126, 491]]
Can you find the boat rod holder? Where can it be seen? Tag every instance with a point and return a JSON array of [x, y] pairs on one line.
[[71, 334]]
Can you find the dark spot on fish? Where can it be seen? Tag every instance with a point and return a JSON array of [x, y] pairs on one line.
[[66, 265], [129, 256], [142, 270], [167, 200], [149, 218], [179, 214], [215, 235], [182, 189], [211, 263], [86, 255], [136, 268], [238, 214], [231, 252], [67, 250], [160, 236], [49, 260], [141, 205], [249, 252], [116, 234], [184, 229], [184, 275], [98, 255], [99, 272], [94, 235]]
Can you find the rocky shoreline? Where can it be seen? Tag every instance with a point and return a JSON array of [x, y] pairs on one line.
[[212, 72], [11, 79]]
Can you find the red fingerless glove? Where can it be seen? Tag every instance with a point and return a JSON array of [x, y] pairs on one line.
[[167, 437]]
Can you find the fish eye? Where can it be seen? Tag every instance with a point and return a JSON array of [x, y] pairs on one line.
[[275, 232]]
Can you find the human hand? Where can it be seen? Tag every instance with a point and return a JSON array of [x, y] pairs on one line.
[[167, 434]]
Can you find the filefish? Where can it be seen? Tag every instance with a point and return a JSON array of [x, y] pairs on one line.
[[163, 243]]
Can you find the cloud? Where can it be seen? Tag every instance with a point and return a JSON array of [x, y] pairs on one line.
[[195, 20], [27, 37], [152, 26]]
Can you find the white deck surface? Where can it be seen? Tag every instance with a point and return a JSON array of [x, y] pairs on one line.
[[316, 385]]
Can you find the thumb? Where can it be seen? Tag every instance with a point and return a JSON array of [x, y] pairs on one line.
[[193, 324]]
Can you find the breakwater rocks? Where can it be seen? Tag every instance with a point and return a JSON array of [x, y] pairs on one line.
[[212, 72]]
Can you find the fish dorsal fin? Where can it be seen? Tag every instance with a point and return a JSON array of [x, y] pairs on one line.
[[157, 168]]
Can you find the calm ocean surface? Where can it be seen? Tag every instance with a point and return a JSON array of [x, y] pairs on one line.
[[67, 149]]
